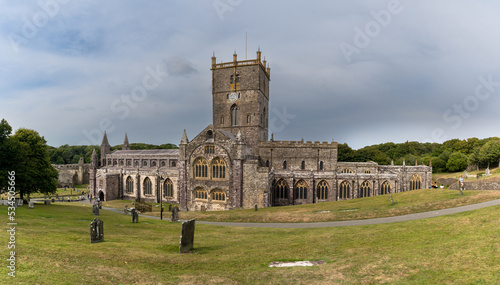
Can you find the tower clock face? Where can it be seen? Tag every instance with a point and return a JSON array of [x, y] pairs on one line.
[[233, 97]]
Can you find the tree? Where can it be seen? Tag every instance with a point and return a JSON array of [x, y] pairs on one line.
[[34, 173], [490, 152], [6, 156], [457, 162], [345, 152]]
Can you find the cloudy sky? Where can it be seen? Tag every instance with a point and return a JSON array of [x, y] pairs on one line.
[[360, 72]]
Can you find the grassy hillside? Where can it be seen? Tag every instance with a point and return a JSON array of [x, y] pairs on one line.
[[53, 247]]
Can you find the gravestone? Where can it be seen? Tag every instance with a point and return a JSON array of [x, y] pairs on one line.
[[47, 202], [203, 208], [392, 201], [32, 205], [96, 231], [175, 214], [487, 172], [125, 211], [95, 210], [44, 196], [256, 208], [170, 207], [465, 174], [100, 205], [187, 236], [135, 216]]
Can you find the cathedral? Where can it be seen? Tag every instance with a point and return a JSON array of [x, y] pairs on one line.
[[233, 164]]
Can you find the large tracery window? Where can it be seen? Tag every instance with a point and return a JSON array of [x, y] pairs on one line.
[[168, 188], [147, 186], [218, 195], [322, 190], [130, 185], [364, 190], [200, 166], [415, 182], [344, 190], [218, 168], [301, 190], [385, 188], [200, 193], [281, 190]]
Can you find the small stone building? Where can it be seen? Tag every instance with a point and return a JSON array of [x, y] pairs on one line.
[[232, 163]]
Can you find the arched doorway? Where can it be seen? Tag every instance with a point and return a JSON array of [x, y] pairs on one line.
[[101, 196]]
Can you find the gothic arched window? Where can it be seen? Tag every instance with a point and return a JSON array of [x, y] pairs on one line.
[[200, 168], [168, 188], [344, 190], [234, 115], [281, 190], [301, 190], [364, 190], [130, 185], [147, 186], [218, 168], [415, 182], [386, 188], [323, 190]]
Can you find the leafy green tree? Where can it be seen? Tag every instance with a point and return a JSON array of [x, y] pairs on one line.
[[34, 173], [457, 162], [438, 165], [490, 152], [6, 153], [345, 153]]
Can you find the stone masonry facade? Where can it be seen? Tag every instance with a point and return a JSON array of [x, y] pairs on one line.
[[232, 163]]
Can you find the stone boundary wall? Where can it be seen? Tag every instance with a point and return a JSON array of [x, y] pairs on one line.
[[482, 185]]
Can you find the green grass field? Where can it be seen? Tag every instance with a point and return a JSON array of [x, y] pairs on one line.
[[53, 247]]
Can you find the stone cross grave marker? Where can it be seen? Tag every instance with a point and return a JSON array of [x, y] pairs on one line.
[[95, 210], [96, 231], [187, 236], [135, 216], [175, 214], [32, 205]]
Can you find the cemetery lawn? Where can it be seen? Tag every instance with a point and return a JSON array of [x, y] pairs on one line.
[[416, 201], [53, 247]]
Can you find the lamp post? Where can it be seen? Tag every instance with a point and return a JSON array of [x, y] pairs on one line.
[[161, 197]]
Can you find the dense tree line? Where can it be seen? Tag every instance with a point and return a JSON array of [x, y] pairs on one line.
[[67, 154], [24, 162], [451, 156]]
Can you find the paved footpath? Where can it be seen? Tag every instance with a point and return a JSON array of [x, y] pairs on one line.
[[395, 219]]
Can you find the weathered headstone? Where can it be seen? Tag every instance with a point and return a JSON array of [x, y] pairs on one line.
[[392, 201], [100, 204], [32, 205], [256, 208], [47, 202], [95, 210], [135, 216], [175, 214], [187, 236], [465, 174], [125, 210], [96, 231], [170, 207]]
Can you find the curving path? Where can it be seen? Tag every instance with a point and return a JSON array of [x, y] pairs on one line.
[[395, 219]]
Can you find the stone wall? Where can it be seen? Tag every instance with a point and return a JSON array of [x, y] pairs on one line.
[[71, 174], [255, 185], [479, 185]]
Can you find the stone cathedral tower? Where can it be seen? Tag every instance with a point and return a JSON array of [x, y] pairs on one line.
[[240, 94]]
